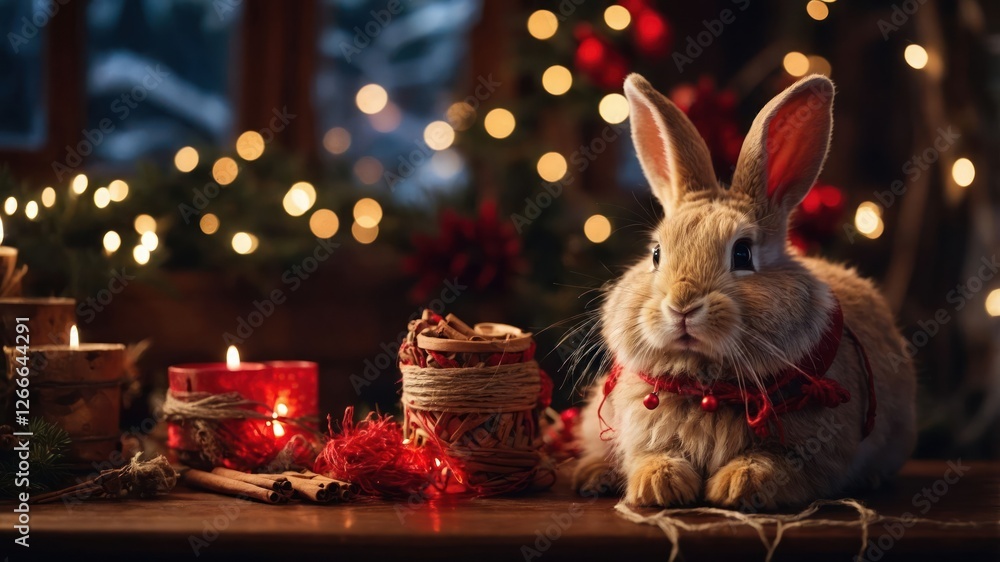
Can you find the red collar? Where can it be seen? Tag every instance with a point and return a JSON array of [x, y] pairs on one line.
[[795, 388]]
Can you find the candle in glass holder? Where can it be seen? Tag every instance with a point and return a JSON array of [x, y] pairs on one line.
[[267, 405]]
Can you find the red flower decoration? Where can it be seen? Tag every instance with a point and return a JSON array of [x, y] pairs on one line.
[[483, 254], [713, 113]]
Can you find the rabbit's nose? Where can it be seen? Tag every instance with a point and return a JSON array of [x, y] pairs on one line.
[[681, 312]]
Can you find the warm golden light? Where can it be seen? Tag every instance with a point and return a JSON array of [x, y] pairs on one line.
[[617, 17], [225, 170], [337, 140], [112, 241], [963, 172], [387, 120], [186, 159], [817, 10], [144, 223], [371, 98], [368, 170], [79, 184], [460, 115], [299, 198], [1, 232], [149, 240], [613, 108], [141, 254], [102, 197], [542, 24], [209, 223], [597, 229], [552, 166], [74, 337], [279, 430], [499, 123], [557, 80], [819, 65], [915, 56], [118, 190], [796, 63], [10, 206], [31, 210], [48, 197], [232, 357], [280, 410], [243, 243], [439, 135], [868, 220], [367, 213], [993, 303], [364, 235], [250, 145], [324, 223]]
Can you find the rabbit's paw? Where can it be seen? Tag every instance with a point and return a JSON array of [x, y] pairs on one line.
[[594, 476], [662, 481], [752, 483]]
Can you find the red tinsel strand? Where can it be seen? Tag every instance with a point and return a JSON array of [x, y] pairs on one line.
[[372, 455]]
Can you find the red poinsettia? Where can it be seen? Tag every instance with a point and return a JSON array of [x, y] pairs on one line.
[[482, 253]]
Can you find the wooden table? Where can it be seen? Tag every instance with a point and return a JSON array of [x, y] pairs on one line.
[[217, 528]]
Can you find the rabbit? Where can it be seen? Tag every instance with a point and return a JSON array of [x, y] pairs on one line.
[[721, 298]]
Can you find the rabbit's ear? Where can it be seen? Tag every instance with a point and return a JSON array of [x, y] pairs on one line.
[[785, 149], [673, 155]]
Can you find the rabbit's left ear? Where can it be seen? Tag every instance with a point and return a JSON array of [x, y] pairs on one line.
[[786, 146]]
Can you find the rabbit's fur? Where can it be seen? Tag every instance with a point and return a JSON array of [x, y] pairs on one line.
[[746, 325]]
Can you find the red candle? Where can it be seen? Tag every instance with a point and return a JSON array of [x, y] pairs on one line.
[[283, 395]]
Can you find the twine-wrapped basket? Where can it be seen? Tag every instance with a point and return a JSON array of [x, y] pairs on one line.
[[476, 394]]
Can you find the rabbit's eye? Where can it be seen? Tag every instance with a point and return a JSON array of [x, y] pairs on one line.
[[656, 256], [742, 257]]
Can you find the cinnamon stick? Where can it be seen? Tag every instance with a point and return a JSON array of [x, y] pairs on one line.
[[282, 486], [460, 326], [230, 486], [314, 491]]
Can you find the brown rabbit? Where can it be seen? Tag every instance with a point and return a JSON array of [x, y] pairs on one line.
[[744, 375]]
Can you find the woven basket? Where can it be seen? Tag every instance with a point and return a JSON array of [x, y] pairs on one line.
[[477, 393]]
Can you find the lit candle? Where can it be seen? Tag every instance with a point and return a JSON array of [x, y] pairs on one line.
[[10, 275]]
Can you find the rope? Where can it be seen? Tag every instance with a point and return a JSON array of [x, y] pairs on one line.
[[472, 390]]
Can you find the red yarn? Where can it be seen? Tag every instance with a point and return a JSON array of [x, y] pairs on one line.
[[372, 455]]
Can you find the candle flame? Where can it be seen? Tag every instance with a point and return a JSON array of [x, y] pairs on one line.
[[232, 357], [74, 337]]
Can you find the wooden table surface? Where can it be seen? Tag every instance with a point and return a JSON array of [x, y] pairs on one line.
[[194, 525]]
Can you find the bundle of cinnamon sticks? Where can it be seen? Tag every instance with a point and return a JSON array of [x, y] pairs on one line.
[[271, 488]]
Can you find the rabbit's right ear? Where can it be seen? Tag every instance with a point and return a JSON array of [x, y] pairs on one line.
[[673, 155]]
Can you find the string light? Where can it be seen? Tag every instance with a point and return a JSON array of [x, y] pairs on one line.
[[102, 197], [209, 223], [10, 206], [367, 213], [617, 17], [993, 303], [368, 170], [915, 56], [963, 172], [868, 220], [364, 235], [796, 63], [225, 170], [542, 24], [387, 120], [552, 166], [144, 224], [118, 190], [446, 164], [460, 115], [112, 241], [31, 210], [250, 145], [613, 108], [499, 123], [557, 80], [186, 159], [819, 65], [48, 197], [371, 99], [140, 254], [337, 140], [817, 10], [324, 223], [149, 240], [244, 243], [299, 198], [79, 184], [439, 135], [597, 229]]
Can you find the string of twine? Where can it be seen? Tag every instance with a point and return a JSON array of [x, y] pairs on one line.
[[472, 390], [669, 521]]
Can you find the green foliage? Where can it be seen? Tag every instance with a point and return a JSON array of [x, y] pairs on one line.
[[46, 460]]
